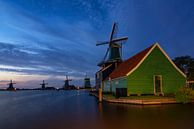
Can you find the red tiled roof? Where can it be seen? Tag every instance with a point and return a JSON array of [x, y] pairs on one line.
[[126, 66]]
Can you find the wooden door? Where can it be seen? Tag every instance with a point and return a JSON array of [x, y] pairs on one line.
[[157, 84]]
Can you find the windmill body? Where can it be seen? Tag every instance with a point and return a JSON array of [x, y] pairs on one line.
[[112, 58], [43, 85], [10, 86], [87, 83], [67, 83], [67, 86]]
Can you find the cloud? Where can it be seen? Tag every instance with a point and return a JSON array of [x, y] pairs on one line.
[[50, 62], [56, 38], [48, 45]]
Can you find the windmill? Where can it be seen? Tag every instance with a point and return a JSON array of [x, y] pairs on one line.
[[87, 82], [112, 58], [43, 85], [11, 88], [67, 86], [114, 49]]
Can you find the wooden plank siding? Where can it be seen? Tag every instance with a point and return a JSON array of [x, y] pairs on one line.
[[141, 80], [106, 87], [118, 83]]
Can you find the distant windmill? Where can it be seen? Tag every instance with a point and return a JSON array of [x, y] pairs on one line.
[[43, 85], [115, 47], [67, 86], [11, 88], [87, 82]]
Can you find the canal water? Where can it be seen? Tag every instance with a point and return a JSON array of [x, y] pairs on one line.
[[78, 110]]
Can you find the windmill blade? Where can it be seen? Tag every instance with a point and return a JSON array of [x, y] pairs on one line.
[[106, 53], [102, 43], [119, 39], [114, 29]]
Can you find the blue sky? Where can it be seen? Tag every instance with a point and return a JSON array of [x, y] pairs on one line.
[[48, 39]]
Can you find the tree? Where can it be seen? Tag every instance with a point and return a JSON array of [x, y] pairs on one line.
[[190, 74], [186, 65]]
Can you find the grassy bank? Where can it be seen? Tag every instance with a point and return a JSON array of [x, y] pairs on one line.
[[185, 95]]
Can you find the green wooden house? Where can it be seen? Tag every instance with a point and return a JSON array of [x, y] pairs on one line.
[[150, 71]]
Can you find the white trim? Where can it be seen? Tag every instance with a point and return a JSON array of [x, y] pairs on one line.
[[103, 68], [156, 45], [106, 67], [189, 81], [170, 60], [118, 78], [141, 60]]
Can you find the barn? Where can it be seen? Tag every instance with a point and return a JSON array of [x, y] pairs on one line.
[[150, 71]]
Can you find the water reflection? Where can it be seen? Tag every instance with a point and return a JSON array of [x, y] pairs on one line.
[[78, 110], [147, 117]]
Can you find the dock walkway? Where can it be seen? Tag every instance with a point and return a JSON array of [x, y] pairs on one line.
[[127, 100]]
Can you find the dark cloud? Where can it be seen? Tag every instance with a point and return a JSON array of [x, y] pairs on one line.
[[44, 62]]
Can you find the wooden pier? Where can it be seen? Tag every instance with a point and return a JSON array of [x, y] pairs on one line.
[[138, 101]]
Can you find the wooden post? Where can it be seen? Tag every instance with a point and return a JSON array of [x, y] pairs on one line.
[[100, 94], [110, 85]]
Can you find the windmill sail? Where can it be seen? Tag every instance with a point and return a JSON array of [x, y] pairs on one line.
[[114, 50]]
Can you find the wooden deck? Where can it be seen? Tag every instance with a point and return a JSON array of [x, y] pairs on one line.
[[143, 102], [150, 101]]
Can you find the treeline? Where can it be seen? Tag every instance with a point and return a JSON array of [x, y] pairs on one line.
[[186, 65]]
